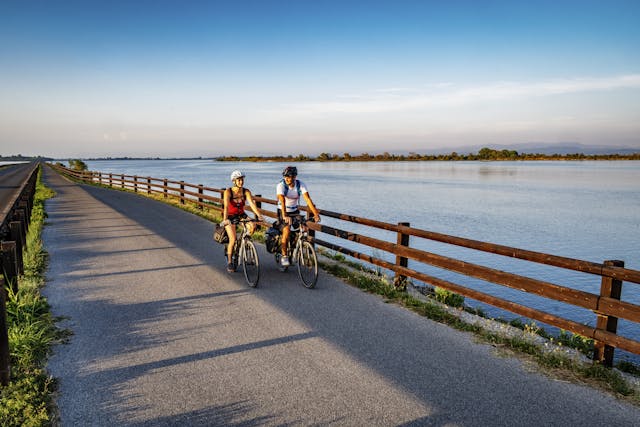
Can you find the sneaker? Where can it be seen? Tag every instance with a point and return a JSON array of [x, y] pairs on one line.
[[230, 268], [284, 261]]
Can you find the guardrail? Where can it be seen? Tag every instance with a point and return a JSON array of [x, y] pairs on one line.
[[607, 305], [13, 232]]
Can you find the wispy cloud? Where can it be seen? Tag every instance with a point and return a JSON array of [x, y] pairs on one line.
[[401, 98]]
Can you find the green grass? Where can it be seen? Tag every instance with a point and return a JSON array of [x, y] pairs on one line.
[[27, 400]]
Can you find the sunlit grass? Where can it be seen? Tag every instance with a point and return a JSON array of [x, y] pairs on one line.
[[27, 400]]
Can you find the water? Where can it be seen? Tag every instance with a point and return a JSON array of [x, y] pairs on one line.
[[587, 210]]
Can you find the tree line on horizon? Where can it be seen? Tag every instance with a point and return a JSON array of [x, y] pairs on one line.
[[485, 153]]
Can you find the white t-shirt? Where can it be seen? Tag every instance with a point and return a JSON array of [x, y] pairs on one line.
[[292, 199]]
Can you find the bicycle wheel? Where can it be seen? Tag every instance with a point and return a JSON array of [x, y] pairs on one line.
[[307, 265], [250, 263]]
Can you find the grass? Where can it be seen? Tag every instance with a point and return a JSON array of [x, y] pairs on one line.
[[27, 400]]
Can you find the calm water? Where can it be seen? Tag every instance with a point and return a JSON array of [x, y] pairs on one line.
[[583, 210]]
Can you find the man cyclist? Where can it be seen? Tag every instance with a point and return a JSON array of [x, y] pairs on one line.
[[234, 199], [288, 192]]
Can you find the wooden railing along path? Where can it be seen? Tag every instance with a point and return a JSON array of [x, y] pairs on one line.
[[14, 223], [607, 306]]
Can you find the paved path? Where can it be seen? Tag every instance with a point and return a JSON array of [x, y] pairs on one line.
[[164, 336]]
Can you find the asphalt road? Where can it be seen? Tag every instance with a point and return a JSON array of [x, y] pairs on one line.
[[163, 335], [11, 180]]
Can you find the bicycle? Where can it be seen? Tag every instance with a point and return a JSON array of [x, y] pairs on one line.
[[244, 251], [300, 251]]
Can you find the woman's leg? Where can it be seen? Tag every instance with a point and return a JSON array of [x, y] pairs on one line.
[[231, 232]]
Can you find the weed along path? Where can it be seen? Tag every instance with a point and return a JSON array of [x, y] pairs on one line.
[[163, 335]]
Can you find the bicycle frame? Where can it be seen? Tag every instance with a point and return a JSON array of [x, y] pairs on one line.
[[244, 252], [301, 252]]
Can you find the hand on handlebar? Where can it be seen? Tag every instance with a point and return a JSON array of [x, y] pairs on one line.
[[225, 223]]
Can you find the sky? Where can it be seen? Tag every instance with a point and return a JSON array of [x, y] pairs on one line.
[[207, 78]]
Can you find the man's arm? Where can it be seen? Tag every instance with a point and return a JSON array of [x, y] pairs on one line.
[[311, 206]]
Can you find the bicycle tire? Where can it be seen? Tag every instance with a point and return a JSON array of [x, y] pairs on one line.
[[250, 263], [307, 261]]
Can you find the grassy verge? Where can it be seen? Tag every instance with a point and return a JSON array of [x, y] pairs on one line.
[[556, 363], [27, 400]]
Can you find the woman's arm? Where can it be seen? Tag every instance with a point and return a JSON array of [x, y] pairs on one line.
[[253, 206], [226, 199]]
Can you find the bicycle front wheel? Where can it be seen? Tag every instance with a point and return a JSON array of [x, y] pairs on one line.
[[307, 265], [250, 263]]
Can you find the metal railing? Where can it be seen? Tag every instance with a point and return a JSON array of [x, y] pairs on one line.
[[13, 232], [606, 305]]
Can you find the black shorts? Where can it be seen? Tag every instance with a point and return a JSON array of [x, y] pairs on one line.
[[235, 219], [279, 224]]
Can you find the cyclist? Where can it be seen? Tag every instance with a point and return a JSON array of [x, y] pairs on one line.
[[234, 199], [288, 191]]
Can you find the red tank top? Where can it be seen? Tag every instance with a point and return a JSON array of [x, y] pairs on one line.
[[236, 206]]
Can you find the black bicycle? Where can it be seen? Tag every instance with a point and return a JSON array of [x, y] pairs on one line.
[[300, 251], [245, 253]]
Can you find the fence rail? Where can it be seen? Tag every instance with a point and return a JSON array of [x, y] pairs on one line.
[[606, 306], [14, 224]]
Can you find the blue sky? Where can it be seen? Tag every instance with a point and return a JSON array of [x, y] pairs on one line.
[[203, 78]]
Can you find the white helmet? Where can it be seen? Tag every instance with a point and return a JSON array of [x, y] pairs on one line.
[[236, 174]]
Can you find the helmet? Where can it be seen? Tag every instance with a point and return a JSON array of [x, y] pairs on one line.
[[236, 174], [290, 171]]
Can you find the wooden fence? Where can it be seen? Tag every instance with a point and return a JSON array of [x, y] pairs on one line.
[[606, 305], [13, 233]]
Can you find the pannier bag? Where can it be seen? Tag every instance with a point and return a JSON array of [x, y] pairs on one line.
[[220, 234], [272, 240]]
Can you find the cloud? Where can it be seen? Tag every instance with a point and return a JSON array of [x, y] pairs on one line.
[[447, 94]]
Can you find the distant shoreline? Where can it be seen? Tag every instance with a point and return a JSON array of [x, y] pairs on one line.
[[485, 154]]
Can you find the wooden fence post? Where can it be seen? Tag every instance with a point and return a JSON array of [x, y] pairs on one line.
[[9, 263], [135, 183], [5, 368], [200, 192], [148, 185], [17, 235], [182, 192], [611, 288], [165, 189], [399, 280], [122, 181], [110, 179]]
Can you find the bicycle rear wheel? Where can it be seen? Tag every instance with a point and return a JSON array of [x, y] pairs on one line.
[[307, 265], [251, 263]]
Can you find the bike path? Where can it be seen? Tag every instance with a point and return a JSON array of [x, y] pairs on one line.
[[163, 335]]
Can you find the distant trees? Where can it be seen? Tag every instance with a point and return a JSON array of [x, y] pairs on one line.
[[485, 153], [78, 165]]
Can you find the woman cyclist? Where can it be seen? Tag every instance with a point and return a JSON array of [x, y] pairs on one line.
[[234, 199]]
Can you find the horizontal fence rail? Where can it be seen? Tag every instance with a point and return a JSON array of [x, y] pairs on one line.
[[14, 223], [606, 306]]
